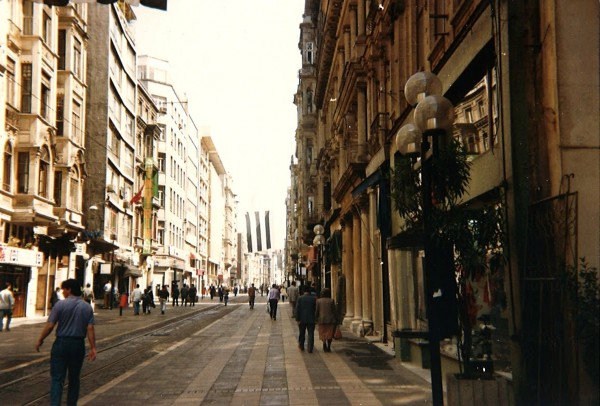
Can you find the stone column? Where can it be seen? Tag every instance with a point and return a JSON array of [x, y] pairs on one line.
[[361, 118], [361, 23], [367, 247], [347, 269], [376, 276], [357, 273], [353, 32], [347, 44]]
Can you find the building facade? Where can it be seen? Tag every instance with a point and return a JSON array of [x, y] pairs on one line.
[[527, 153]]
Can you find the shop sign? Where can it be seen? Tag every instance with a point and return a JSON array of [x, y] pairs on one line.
[[20, 256]]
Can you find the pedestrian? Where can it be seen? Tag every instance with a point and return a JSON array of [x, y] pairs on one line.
[[107, 291], [305, 316], [115, 297], [75, 320], [326, 318], [149, 299], [220, 293], [283, 291], [7, 303], [213, 292], [163, 297], [56, 296], [273, 300], [184, 295], [137, 296], [235, 291], [192, 294], [251, 296], [292, 292], [175, 294], [88, 294], [225, 294]]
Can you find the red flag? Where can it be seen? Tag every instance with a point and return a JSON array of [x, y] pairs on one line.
[[137, 197]]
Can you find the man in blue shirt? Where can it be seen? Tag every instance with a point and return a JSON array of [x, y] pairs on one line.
[[75, 319]]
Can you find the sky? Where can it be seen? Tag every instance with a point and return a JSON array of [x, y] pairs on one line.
[[237, 62]]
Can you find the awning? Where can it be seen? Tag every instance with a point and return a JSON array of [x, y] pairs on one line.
[[97, 246], [366, 183], [132, 271]]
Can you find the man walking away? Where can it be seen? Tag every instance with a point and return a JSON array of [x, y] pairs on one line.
[[251, 296], [293, 297], [75, 319], [192, 294], [7, 302], [305, 316], [88, 294], [273, 300], [137, 296], [184, 295], [175, 295], [163, 297]]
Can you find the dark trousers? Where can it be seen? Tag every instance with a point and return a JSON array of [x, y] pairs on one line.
[[273, 307], [304, 328], [66, 357]]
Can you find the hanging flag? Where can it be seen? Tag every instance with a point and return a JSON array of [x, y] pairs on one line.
[[158, 4], [267, 230], [137, 197], [258, 233], [248, 232], [155, 183]]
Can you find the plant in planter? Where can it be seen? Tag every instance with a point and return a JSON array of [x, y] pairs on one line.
[[475, 234]]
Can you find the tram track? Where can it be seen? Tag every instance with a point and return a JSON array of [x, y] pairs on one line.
[[119, 352]]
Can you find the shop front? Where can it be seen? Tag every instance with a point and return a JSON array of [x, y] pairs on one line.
[[17, 266]]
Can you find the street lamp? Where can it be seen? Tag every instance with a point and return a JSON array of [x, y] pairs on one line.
[[433, 119]]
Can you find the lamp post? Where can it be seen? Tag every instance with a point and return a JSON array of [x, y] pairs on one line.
[[319, 241], [433, 118]]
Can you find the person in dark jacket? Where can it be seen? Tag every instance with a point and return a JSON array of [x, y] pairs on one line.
[[175, 295], [192, 293], [163, 296], [306, 318]]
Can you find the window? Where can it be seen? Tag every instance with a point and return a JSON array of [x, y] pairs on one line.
[[62, 49], [27, 17], [46, 28], [26, 86], [77, 57], [44, 170], [10, 82], [75, 189], [468, 115], [7, 168], [161, 162], [76, 122], [60, 115], [309, 53], [161, 196], [45, 99], [58, 188], [23, 172]]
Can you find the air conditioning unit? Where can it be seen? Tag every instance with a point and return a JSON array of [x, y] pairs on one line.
[[162, 110], [113, 237], [110, 189], [126, 204]]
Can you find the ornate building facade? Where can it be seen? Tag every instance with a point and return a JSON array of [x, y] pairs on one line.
[[517, 122]]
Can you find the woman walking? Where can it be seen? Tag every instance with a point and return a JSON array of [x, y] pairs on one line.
[[326, 318]]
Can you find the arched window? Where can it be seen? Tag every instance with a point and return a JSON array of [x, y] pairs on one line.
[[7, 168], [44, 172]]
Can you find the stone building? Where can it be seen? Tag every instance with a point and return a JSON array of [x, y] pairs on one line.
[[528, 119], [43, 52]]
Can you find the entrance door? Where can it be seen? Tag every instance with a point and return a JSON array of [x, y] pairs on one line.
[[18, 277]]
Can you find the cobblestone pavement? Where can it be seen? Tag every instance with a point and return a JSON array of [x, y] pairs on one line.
[[242, 358]]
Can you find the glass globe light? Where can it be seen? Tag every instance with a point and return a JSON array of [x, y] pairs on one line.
[[434, 113], [421, 85], [319, 239], [407, 140], [318, 229]]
